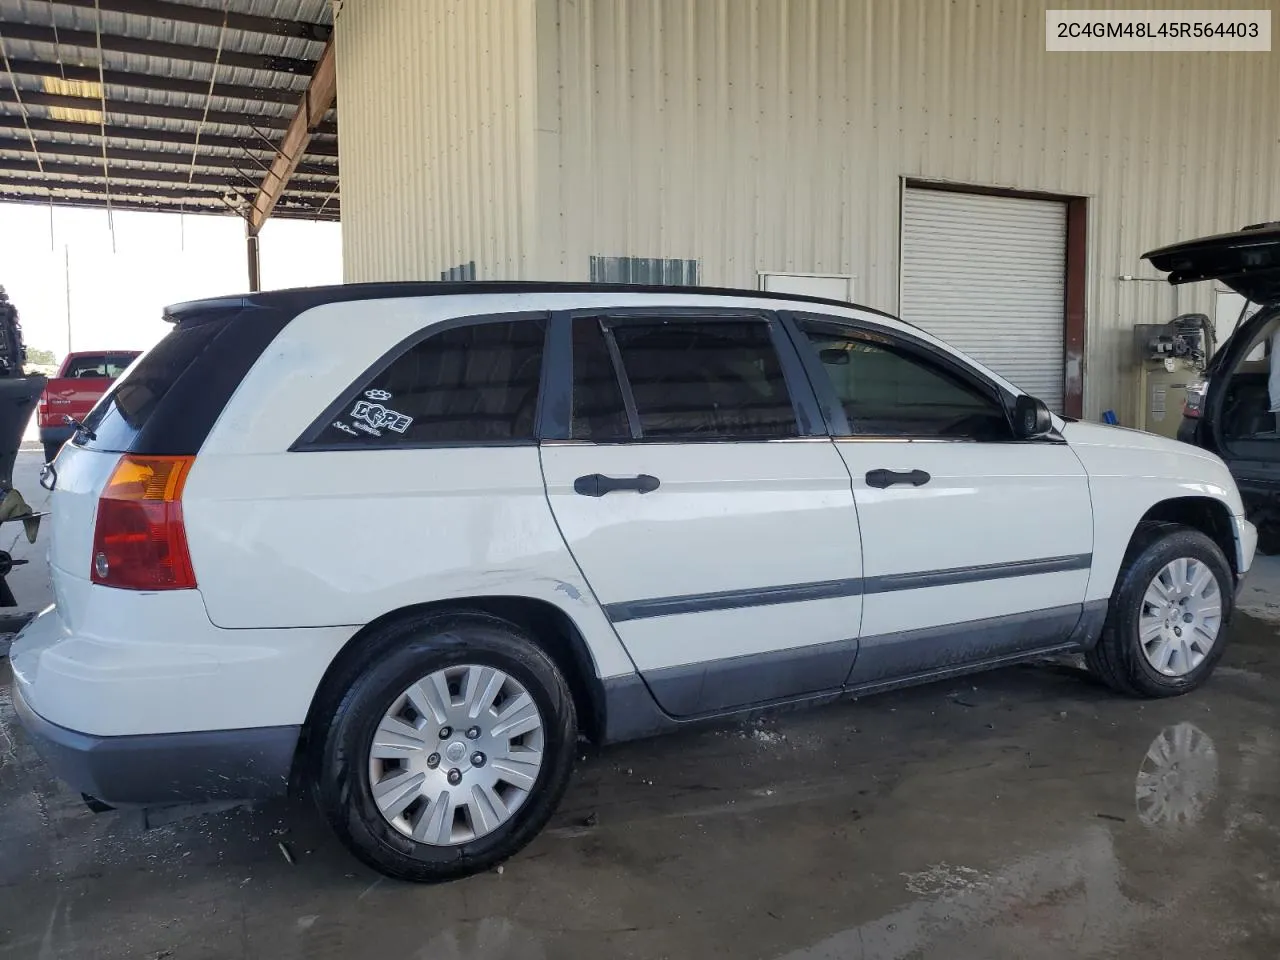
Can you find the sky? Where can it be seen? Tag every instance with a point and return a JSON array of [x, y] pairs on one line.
[[118, 291]]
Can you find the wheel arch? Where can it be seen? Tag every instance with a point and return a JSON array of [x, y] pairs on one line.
[[1210, 516], [553, 630]]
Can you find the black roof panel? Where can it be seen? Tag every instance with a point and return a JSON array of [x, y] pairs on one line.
[[294, 301]]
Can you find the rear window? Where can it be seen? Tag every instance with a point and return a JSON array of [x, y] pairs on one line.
[[125, 409], [98, 365]]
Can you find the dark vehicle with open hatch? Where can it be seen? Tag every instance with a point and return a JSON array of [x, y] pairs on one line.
[[1235, 410]]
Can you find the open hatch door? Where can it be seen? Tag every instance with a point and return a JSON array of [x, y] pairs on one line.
[[1247, 261]]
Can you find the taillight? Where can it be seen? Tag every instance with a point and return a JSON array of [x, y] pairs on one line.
[[140, 542], [1193, 406]]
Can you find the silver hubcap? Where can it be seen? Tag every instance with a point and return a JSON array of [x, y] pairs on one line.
[[1178, 777], [1181, 617], [456, 755]]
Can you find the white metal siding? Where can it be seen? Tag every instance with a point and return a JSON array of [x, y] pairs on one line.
[[987, 274], [436, 130], [773, 135]]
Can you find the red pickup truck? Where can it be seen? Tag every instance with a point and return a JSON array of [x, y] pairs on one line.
[[79, 383]]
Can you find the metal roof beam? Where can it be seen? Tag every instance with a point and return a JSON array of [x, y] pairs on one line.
[[162, 110], [141, 191], [210, 16], [112, 131], [319, 97], [92, 173], [143, 81], [330, 213], [50, 148], [153, 48]]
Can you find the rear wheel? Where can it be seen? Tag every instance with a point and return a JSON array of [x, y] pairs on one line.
[[450, 751], [1166, 626]]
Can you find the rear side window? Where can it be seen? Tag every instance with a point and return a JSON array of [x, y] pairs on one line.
[[472, 384], [704, 379]]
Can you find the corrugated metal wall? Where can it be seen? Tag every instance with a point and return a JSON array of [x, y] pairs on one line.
[[773, 135], [437, 140]]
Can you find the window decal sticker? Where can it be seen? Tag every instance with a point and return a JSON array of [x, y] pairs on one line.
[[377, 416], [377, 394]]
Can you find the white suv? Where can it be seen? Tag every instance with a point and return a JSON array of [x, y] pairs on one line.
[[406, 543]]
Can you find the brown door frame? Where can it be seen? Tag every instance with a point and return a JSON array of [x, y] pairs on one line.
[[1075, 314]]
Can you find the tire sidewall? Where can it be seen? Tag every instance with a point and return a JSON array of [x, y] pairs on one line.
[[1127, 608], [342, 780]]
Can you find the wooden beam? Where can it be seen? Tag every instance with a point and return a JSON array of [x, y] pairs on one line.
[[316, 102]]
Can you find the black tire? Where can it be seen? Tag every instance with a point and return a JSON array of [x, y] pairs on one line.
[[1117, 659], [51, 450], [400, 654], [1269, 538]]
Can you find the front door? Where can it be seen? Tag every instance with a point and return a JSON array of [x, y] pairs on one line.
[[710, 515], [975, 546]]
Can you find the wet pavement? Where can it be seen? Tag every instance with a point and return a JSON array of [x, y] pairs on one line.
[[1021, 814]]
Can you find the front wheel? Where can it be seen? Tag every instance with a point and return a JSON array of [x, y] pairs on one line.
[[450, 751], [1166, 625]]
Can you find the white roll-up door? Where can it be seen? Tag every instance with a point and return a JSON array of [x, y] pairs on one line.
[[987, 274]]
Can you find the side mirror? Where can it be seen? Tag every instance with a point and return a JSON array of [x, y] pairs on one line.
[[834, 357], [1031, 418]]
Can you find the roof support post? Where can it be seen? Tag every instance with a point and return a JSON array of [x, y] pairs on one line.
[[316, 102], [255, 262]]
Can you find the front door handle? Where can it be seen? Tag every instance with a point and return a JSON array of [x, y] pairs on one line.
[[887, 478], [597, 485]]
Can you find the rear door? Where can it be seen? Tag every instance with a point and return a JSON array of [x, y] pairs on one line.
[[690, 477], [975, 546]]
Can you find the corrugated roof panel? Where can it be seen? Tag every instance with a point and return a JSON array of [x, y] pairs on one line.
[[233, 163], [44, 14]]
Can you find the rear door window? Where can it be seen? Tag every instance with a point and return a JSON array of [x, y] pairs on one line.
[[688, 380], [468, 385]]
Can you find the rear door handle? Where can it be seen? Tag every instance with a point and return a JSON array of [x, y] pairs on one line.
[[887, 478], [597, 485]]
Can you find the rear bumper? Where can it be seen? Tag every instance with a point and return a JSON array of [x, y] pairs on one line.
[[165, 768], [136, 698]]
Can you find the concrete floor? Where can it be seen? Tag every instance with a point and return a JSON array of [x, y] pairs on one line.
[[1021, 814]]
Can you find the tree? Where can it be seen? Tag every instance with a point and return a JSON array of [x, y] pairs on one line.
[[45, 358]]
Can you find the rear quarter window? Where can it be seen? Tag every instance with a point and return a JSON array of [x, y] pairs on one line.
[[475, 383]]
